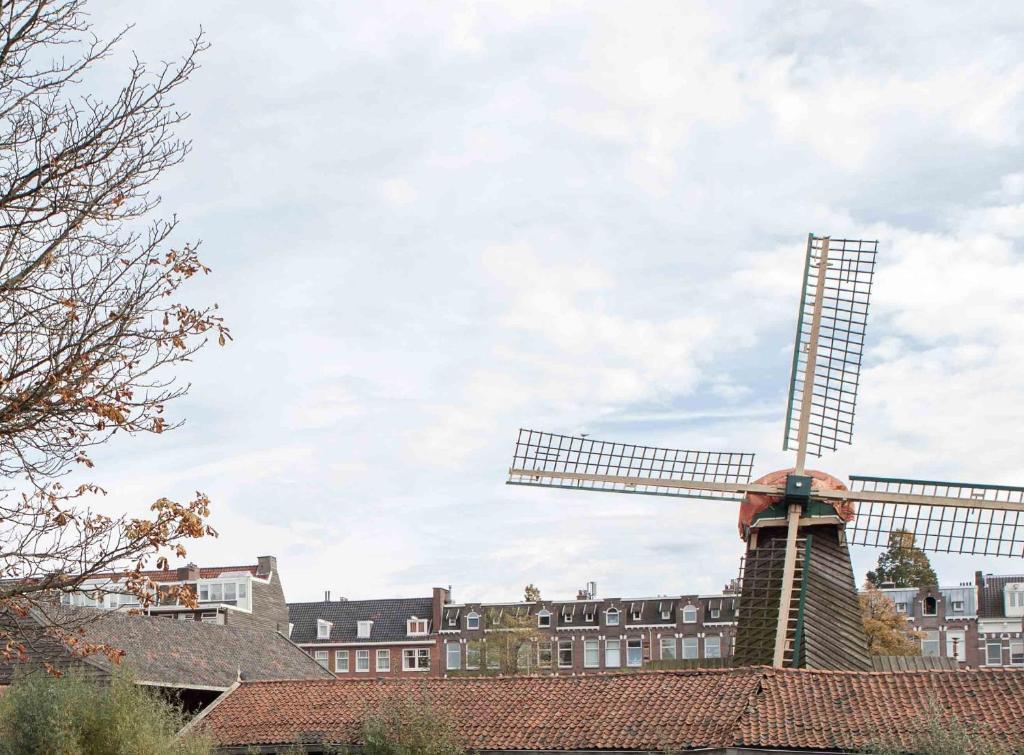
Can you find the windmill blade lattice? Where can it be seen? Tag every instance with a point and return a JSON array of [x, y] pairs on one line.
[[550, 460], [850, 269], [943, 517]]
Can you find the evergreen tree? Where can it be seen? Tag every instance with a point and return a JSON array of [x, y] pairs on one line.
[[903, 564]]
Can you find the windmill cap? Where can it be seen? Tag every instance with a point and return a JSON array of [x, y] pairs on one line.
[[754, 503]]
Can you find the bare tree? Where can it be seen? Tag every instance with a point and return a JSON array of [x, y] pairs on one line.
[[91, 323]]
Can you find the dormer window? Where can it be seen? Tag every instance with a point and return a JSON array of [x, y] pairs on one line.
[[931, 606], [901, 608], [715, 613], [567, 614], [414, 627], [544, 618], [323, 629], [689, 614], [958, 606], [611, 617], [588, 614], [363, 629], [452, 619], [472, 620], [636, 613]]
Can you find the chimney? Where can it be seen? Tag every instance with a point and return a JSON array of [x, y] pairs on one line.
[[188, 573], [592, 589], [581, 595], [979, 579], [266, 565], [442, 597], [327, 596]]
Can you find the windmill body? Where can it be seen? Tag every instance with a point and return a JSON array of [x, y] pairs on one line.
[[798, 602]]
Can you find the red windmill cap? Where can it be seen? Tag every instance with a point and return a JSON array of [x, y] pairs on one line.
[[754, 503]]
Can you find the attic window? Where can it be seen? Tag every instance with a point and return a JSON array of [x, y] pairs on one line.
[[567, 614], [715, 613], [363, 629], [472, 620], [612, 617], [588, 613], [958, 606], [931, 606], [543, 618], [901, 608], [453, 619], [323, 629], [666, 612], [689, 614], [636, 613], [416, 626]]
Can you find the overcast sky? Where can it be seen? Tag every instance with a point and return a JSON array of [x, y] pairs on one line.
[[431, 224]]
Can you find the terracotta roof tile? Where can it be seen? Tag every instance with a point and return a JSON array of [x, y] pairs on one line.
[[678, 710]]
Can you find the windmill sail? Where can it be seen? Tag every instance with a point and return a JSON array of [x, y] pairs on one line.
[[580, 463], [944, 517], [850, 268]]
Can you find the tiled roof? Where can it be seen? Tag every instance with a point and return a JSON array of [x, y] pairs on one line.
[[171, 575], [389, 618], [990, 594], [628, 711], [169, 652], [671, 710]]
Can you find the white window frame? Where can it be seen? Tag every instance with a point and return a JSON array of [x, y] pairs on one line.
[[634, 643], [691, 648], [364, 629], [362, 660], [666, 615], [716, 613], [208, 617], [474, 648], [413, 659], [543, 619], [415, 627], [1017, 652], [448, 648], [713, 641], [637, 615], [613, 653], [321, 656], [565, 645], [901, 607], [545, 647], [608, 617], [689, 610], [668, 642], [383, 660], [472, 620], [930, 646], [341, 661], [323, 629], [988, 652], [957, 606], [961, 645], [589, 616], [591, 653]]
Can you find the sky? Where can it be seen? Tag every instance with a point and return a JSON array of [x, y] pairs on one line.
[[431, 224]]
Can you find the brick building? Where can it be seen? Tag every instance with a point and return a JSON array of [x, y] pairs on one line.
[[436, 637], [1000, 619], [948, 617], [249, 596]]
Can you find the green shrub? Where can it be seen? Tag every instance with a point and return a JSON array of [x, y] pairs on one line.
[[407, 724], [41, 714]]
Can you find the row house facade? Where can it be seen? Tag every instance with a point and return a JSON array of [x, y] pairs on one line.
[[250, 596], [946, 617], [1000, 619], [437, 637]]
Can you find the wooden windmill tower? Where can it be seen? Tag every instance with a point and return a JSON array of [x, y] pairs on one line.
[[798, 604]]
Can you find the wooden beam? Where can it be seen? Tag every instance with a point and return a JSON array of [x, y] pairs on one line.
[[651, 482], [812, 360], [786, 598], [917, 500]]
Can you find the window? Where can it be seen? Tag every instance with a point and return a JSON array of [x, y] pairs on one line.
[[224, 592], [715, 613], [524, 654], [416, 659], [321, 657], [955, 644], [416, 626], [712, 647], [994, 654], [567, 617], [383, 660], [611, 618], [901, 608], [493, 659], [473, 655], [666, 615], [636, 614], [565, 654], [184, 617], [612, 653], [363, 629], [958, 606], [544, 618], [1017, 652], [668, 648], [472, 620], [930, 644], [341, 661], [931, 606], [690, 648], [634, 652], [362, 660], [690, 615], [591, 653], [588, 614], [323, 629], [209, 617], [544, 654], [453, 619], [453, 656]]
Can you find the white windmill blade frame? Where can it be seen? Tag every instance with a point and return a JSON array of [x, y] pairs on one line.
[[730, 491]]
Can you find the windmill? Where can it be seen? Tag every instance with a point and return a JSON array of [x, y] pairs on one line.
[[798, 600]]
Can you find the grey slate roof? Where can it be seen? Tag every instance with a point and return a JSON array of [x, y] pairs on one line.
[[189, 654], [388, 615], [991, 603]]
